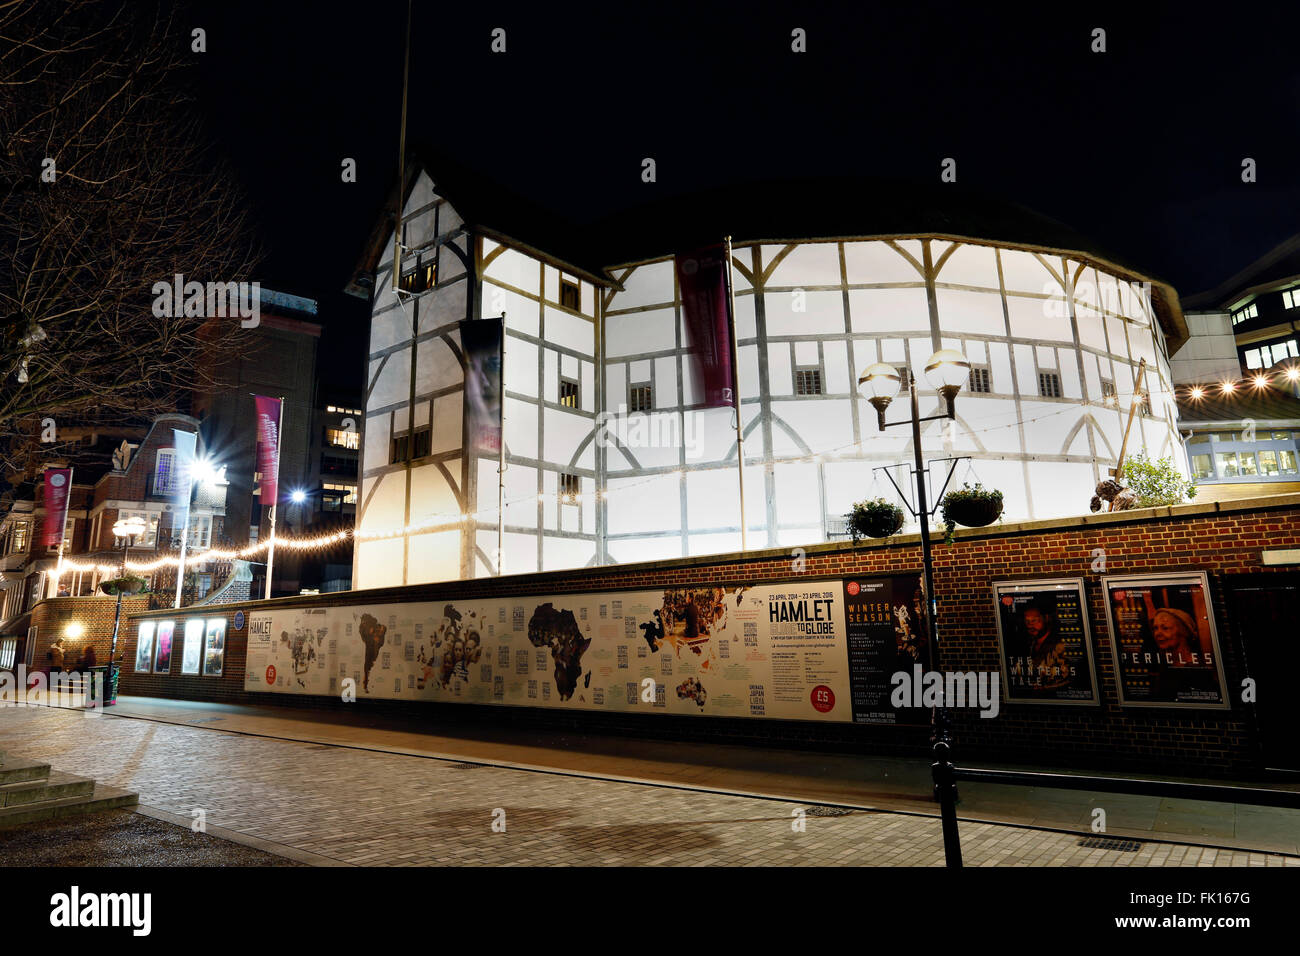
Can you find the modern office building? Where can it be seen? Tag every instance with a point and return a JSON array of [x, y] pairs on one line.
[[610, 456]]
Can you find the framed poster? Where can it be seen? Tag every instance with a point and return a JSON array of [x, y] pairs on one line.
[[214, 647], [144, 647], [1164, 642], [885, 632], [1044, 644], [163, 661], [192, 652]]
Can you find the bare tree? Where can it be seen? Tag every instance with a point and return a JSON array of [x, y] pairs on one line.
[[106, 188]]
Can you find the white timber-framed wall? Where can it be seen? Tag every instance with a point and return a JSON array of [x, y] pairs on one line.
[[662, 482]]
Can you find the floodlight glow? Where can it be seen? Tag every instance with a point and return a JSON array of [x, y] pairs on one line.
[[298, 496]]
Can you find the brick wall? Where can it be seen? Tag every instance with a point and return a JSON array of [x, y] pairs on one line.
[[52, 616], [1222, 539]]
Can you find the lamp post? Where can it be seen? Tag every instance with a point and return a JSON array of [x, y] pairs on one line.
[[947, 370], [128, 529]]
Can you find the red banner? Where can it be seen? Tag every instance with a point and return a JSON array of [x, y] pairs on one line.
[[706, 313], [268, 445], [58, 482]]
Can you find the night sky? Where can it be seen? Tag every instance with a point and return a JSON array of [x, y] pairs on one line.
[[1139, 147]]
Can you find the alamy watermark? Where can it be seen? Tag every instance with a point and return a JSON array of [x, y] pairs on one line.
[[212, 300], [84, 689], [922, 688], [667, 429]]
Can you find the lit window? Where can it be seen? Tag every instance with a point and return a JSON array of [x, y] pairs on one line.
[[150, 536], [18, 537], [640, 398], [1268, 463], [1049, 385], [570, 295], [343, 438], [200, 531], [569, 487], [164, 475], [67, 537], [1108, 391], [1286, 462], [979, 379], [1247, 467], [568, 393], [1227, 464], [808, 381], [1252, 358], [1246, 314], [1291, 298], [1202, 467]]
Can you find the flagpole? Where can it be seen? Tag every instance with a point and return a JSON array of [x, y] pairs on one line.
[[63, 534], [270, 552], [735, 395], [185, 536], [501, 459]]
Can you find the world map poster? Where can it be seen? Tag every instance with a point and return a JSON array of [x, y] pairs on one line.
[[774, 651]]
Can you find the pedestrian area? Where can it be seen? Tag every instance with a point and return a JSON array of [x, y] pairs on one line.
[[354, 801]]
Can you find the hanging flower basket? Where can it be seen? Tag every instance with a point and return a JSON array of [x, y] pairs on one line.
[[874, 518], [126, 585], [973, 506]]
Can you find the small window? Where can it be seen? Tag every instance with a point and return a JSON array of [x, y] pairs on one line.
[[1252, 358], [1145, 404], [164, 472], [568, 393], [1267, 463], [18, 537], [1286, 462], [1049, 385], [640, 398], [1291, 299], [1202, 467], [401, 449], [570, 295], [343, 438], [569, 488], [422, 442], [428, 274], [408, 281], [807, 381], [1246, 314], [979, 379], [1108, 391], [1226, 461]]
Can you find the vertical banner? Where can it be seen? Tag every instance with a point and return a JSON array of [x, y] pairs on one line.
[[268, 445], [706, 315], [163, 660], [58, 482], [1043, 638], [481, 341], [886, 633], [184, 443], [1164, 642]]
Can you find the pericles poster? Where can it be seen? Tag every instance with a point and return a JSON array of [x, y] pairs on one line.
[[776, 650], [1046, 650], [1164, 641]]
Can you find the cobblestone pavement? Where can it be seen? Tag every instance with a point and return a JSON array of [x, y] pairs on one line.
[[372, 808]]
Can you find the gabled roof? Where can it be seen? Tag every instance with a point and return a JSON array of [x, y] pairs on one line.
[[787, 210], [1278, 265]]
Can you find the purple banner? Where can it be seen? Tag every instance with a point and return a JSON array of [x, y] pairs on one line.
[[706, 313]]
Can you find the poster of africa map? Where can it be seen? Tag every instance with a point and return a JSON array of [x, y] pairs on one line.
[[776, 651]]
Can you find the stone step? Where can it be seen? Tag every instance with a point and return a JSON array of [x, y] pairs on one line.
[[19, 769], [54, 787], [102, 798]]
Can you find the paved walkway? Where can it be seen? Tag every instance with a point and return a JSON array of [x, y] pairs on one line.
[[339, 803]]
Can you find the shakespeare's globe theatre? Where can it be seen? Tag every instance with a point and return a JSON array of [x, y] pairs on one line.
[[609, 457]]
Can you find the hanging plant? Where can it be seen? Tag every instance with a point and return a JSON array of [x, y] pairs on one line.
[[971, 505], [127, 584], [874, 518]]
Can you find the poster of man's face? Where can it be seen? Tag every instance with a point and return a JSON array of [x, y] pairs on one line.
[[1164, 642], [1045, 645], [214, 649]]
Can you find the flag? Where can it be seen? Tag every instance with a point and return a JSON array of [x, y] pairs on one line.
[[706, 314], [184, 443], [481, 341], [58, 482], [268, 445]]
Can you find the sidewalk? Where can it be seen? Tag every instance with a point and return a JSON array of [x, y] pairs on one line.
[[900, 785]]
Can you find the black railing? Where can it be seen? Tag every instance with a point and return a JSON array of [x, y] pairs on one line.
[[1146, 788]]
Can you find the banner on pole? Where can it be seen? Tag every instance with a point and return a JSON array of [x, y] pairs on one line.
[[58, 482], [268, 445], [481, 340], [706, 314], [184, 443]]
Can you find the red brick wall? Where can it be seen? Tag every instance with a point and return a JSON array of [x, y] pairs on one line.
[[1186, 741], [53, 615]]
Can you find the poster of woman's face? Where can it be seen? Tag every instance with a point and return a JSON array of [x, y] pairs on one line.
[[163, 662], [1164, 642]]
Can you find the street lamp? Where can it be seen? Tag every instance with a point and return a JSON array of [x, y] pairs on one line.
[[947, 370], [128, 529]]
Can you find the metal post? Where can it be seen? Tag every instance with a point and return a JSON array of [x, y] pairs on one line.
[[501, 458], [735, 395], [117, 619], [279, 448], [945, 789]]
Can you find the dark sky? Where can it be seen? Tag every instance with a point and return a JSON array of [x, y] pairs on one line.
[[1139, 147]]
